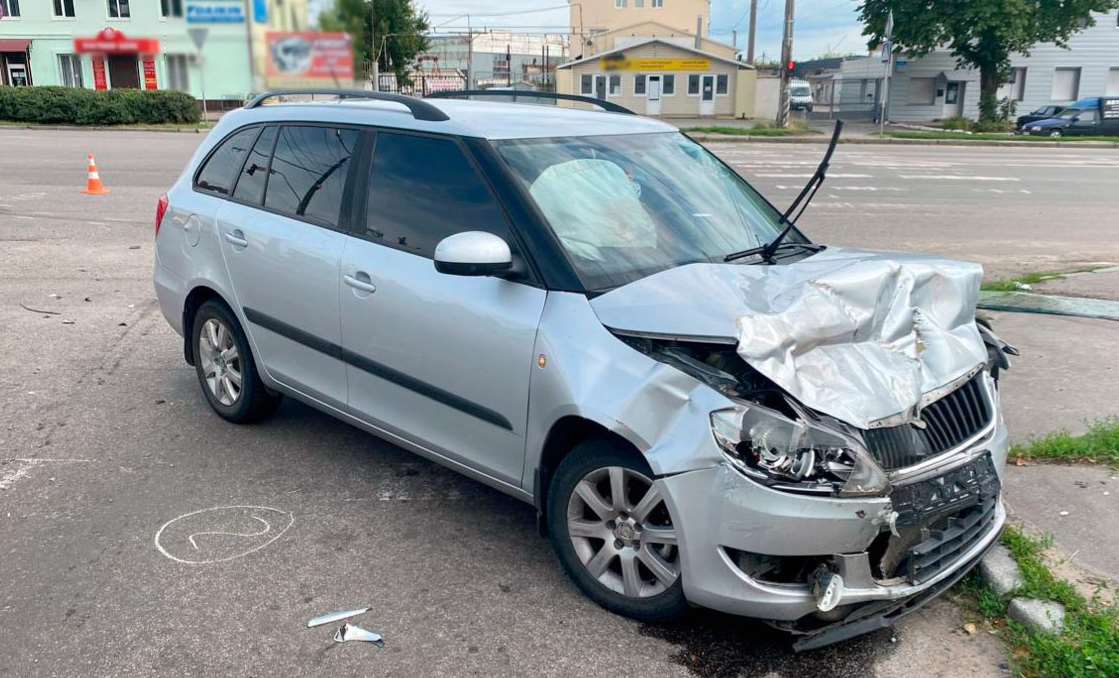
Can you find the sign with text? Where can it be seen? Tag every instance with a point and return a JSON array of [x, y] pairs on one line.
[[149, 72], [310, 57], [214, 12], [100, 82], [112, 41], [1110, 107], [655, 65]]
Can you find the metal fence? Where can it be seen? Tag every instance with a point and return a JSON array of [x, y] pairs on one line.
[[845, 98], [421, 85]]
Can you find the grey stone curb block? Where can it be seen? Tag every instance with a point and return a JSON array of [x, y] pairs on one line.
[[1038, 615], [1000, 571]]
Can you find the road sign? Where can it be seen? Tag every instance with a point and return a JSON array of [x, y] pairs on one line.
[[198, 36]]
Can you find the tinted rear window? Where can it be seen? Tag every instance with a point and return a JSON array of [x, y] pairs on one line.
[[220, 170], [250, 187], [308, 175]]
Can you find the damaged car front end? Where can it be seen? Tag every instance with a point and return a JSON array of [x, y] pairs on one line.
[[823, 423]]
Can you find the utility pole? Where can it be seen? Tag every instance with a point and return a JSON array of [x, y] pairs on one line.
[[753, 32], [469, 54], [888, 48], [374, 70], [734, 40], [786, 57]]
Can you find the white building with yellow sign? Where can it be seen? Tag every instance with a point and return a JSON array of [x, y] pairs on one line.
[[655, 58], [661, 77]]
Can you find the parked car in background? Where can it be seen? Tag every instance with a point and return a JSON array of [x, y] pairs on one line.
[[1095, 116], [1043, 113], [800, 95]]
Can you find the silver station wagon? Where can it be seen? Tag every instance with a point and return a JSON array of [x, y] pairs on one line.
[[589, 311]]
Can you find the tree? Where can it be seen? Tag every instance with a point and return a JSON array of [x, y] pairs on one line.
[[979, 33], [398, 31]]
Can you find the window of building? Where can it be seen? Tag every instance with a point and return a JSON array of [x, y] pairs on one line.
[[638, 3], [657, 4], [178, 72], [693, 85], [254, 176], [171, 8], [668, 85], [1017, 83], [615, 85], [721, 84], [1066, 84], [10, 7], [586, 84], [1112, 83], [220, 171], [423, 189], [308, 173], [639, 85], [64, 8], [922, 91], [70, 66], [619, 4], [118, 9]]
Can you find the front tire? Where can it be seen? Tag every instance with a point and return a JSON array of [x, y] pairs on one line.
[[226, 369], [613, 534]]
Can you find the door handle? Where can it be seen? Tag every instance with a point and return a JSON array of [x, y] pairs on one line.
[[360, 281], [236, 238]]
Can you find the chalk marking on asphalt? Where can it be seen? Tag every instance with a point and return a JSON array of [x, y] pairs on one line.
[[10, 477], [267, 527], [956, 177], [159, 533]]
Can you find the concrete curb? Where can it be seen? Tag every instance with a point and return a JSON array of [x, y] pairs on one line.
[[1039, 615], [106, 128], [870, 141]]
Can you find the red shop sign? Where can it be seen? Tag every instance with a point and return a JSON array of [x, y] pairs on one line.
[[100, 82], [149, 73], [112, 41]]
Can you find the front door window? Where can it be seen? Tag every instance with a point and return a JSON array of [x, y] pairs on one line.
[[708, 88]]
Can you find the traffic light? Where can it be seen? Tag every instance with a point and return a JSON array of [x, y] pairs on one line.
[[791, 66]]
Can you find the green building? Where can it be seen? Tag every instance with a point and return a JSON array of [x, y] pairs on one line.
[[110, 44]]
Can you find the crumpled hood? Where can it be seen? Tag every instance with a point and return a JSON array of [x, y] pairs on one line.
[[858, 335]]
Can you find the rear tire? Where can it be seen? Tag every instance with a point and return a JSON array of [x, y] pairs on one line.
[[619, 547], [226, 369]]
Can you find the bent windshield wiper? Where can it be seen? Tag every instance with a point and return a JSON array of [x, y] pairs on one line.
[[806, 195]]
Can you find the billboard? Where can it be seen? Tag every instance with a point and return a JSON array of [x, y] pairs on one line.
[[310, 58]]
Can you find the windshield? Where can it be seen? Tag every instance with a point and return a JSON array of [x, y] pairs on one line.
[[628, 206], [800, 91]]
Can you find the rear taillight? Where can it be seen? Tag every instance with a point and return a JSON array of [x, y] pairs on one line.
[[160, 211]]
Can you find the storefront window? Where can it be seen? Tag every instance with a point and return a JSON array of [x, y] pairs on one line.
[[668, 84], [639, 85], [586, 84], [70, 66], [177, 73], [721, 84], [693, 84], [615, 85]]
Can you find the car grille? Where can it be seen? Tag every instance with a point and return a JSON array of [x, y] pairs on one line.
[[951, 513], [948, 422]]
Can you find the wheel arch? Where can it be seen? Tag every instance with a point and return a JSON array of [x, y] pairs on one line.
[[199, 295], [565, 434]]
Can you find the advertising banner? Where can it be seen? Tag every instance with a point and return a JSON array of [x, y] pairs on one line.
[[149, 73], [214, 12], [656, 65], [100, 82], [313, 58]]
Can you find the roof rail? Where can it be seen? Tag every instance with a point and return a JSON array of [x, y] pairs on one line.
[[529, 94], [420, 109]]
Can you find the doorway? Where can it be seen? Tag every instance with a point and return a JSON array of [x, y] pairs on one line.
[[954, 99], [123, 72], [707, 95], [600, 86], [653, 95], [15, 70]]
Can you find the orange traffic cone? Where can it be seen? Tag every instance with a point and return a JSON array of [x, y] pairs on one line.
[[93, 185]]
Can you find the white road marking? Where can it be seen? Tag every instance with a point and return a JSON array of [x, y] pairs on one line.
[[956, 177], [10, 477]]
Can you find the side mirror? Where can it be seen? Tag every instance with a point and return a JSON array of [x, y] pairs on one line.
[[473, 253]]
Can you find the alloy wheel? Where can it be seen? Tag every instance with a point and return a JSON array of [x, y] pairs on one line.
[[622, 532], [221, 362]]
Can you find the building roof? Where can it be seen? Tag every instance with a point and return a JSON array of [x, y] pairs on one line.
[[622, 29], [693, 50], [481, 119]]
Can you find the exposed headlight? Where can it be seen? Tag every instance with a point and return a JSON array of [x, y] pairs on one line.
[[795, 455]]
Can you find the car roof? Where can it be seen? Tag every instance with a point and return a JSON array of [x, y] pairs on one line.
[[480, 119]]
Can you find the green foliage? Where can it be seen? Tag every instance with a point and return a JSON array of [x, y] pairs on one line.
[[1099, 444], [398, 31], [957, 122], [72, 106], [979, 33]]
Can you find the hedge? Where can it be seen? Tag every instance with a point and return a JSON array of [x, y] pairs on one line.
[[73, 106]]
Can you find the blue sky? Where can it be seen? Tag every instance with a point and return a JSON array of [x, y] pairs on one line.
[[821, 25]]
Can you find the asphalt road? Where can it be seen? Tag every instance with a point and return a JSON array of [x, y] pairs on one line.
[[106, 442]]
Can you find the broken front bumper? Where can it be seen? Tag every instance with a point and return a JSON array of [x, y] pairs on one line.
[[953, 513]]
